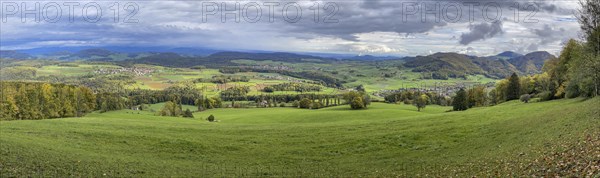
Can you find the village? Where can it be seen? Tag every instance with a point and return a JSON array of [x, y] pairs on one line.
[[137, 71]]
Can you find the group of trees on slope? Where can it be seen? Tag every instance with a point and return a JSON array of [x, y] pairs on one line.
[[298, 87], [222, 79], [174, 110], [475, 96], [411, 96], [31, 101]]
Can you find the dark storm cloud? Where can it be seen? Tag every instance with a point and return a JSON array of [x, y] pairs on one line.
[[181, 23], [369, 16], [480, 32], [366, 16], [549, 34]]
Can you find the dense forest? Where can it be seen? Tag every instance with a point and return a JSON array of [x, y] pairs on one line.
[[30, 101]]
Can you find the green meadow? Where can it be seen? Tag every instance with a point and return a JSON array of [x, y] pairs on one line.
[[386, 140]]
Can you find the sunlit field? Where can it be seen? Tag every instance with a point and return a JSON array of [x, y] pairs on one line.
[[385, 140]]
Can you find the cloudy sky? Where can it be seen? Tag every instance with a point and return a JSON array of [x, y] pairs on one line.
[[376, 27]]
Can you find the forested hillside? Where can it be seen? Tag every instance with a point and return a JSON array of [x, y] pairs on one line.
[[454, 65], [531, 63]]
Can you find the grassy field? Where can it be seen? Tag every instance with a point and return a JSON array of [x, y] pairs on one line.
[[383, 141]]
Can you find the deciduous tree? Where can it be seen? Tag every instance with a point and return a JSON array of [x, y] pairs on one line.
[[421, 101]]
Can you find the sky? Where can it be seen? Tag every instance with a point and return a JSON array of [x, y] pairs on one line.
[[358, 27]]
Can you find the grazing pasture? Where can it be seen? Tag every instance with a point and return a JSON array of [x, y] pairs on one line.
[[386, 140]]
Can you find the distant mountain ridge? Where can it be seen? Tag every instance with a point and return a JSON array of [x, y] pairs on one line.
[[188, 51], [11, 54], [276, 56], [87, 53], [439, 65], [509, 54], [531, 63], [372, 58], [452, 65]]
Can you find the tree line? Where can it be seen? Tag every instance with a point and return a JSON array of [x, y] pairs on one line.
[[35, 100], [298, 87], [222, 79], [411, 96]]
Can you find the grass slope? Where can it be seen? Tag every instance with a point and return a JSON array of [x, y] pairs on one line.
[[385, 140]]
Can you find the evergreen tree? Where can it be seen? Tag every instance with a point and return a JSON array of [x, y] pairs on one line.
[[459, 102], [514, 87]]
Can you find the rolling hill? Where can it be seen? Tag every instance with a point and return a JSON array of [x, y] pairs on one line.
[[277, 56], [454, 65], [459, 65], [11, 54], [531, 63], [437, 66], [506, 55], [371, 58], [384, 141]]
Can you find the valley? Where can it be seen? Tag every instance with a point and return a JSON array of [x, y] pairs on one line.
[[358, 88]]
